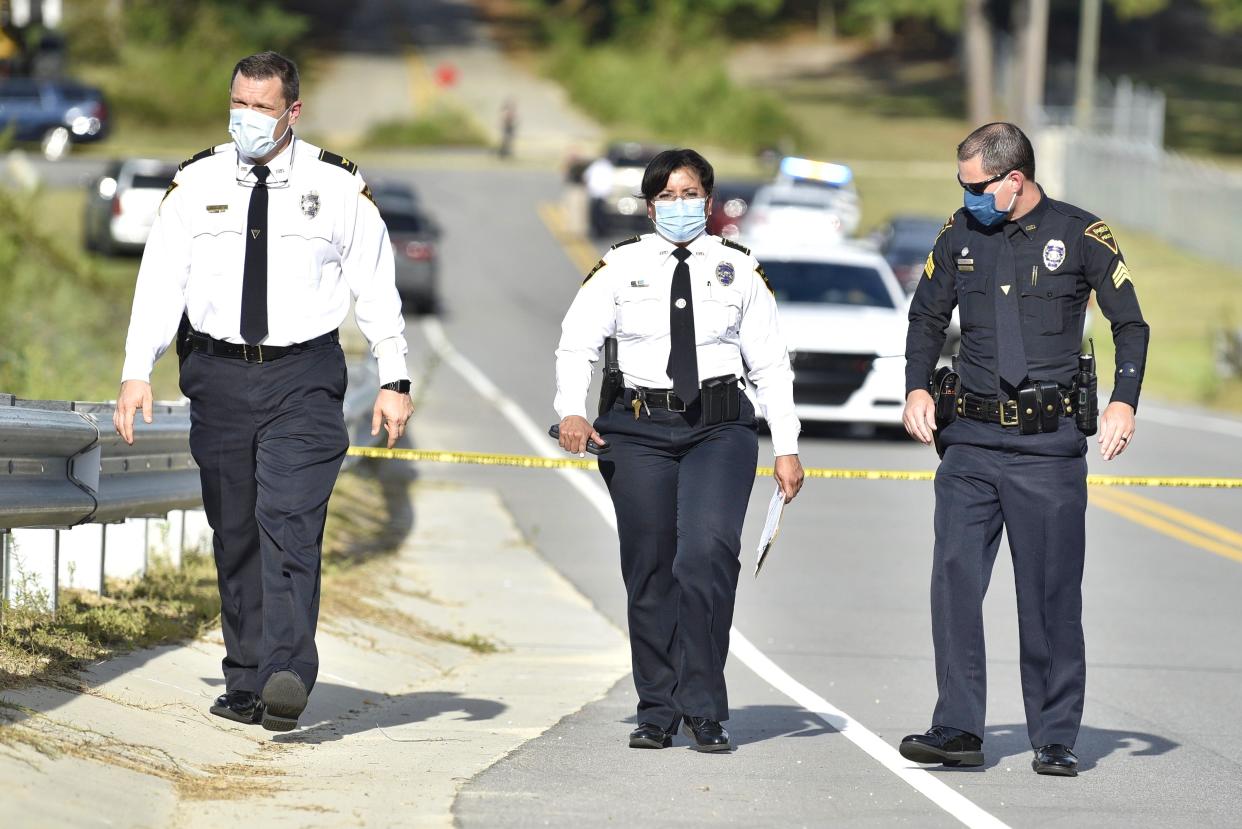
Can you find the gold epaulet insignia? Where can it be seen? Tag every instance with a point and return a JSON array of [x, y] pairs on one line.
[[338, 161], [198, 156]]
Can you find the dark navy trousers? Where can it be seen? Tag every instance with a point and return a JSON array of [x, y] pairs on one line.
[[1035, 487], [680, 491], [269, 439]]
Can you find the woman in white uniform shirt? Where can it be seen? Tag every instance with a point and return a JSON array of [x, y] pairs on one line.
[[689, 311]]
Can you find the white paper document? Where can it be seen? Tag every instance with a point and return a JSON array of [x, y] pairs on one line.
[[771, 527]]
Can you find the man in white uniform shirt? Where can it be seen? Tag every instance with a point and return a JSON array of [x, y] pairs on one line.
[[691, 313], [250, 265]]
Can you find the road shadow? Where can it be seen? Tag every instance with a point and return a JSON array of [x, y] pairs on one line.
[[1003, 742], [757, 723], [338, 711]]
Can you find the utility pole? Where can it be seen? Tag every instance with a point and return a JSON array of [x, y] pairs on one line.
[[1034, 53], [1088, 59], [977, 48]]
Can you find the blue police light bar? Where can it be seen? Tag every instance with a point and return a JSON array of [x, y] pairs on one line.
[[837, 175]]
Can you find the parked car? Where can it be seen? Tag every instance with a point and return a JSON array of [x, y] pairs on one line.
[[121, 204], [845, 319], [52, 114], [904, 242], [415, 238], [614, 185]]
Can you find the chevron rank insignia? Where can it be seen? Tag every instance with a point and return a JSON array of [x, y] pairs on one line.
[[930, 267], [1100, 233], [1121, 275]]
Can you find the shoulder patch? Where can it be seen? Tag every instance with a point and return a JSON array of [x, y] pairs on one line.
[[171, 186], [338, 161], [198, 156], [623, 242], [947, 225], [601, 263], [368, 195], [1100, 233], [763, 276], [729, 243]]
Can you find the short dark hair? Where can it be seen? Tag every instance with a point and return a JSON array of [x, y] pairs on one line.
[[269, 64], [1003, 146], [663, 165]]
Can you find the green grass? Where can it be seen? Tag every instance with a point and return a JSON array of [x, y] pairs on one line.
[[443, 125]]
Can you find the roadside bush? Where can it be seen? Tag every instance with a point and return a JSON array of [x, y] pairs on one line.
[[168, 63]]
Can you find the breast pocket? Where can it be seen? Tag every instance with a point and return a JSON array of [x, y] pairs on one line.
[[718, 315], [305, 246], [974, 302], [641, 313], [1047, 304]]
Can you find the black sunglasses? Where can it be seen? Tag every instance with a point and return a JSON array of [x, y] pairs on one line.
[[978, 187]]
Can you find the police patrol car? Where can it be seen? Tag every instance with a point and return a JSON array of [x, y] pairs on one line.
[[808, 198], [844, 316]]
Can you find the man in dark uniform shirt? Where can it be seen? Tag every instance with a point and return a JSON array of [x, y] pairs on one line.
[[1021, 268]]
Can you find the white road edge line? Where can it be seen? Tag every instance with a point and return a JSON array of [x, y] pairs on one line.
[[931, 787]]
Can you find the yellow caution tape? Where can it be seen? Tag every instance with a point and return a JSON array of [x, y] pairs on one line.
[[535, 462]]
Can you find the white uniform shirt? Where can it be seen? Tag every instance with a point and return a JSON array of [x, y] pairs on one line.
[[326, 241], [627, 295]]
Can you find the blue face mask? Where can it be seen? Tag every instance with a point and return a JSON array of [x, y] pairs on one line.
[[984, 209], [680, 220]]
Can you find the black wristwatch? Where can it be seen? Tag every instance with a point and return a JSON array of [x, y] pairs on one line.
[[399, 386]]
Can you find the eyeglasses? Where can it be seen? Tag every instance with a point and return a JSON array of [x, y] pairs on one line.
[[978, 187]]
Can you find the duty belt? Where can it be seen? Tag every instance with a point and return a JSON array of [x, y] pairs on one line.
[[668, 399], [252, 353], [1004, 412]]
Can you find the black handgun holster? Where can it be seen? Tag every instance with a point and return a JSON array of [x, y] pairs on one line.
[[1039, 408], [945, 393], [721, 400]]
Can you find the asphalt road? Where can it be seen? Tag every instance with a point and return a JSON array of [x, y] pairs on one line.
[[842, 606]]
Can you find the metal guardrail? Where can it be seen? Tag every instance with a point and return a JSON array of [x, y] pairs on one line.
[[63, 465]]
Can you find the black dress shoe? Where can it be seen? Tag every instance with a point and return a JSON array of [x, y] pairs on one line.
[[239, 706], [650, 736], [708, 735], [942, 744], [1055, 759], [284, 699]]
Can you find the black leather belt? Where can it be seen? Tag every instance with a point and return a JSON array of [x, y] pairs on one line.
[[252, 353], [668, 399], [656, 399], [1004, 412]]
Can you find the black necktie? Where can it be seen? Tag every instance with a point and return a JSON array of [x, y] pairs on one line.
[[683, 361], [1010, 352], [254, 273]]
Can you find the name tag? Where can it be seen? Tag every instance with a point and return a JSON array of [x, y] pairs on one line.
[[965, 265], [217, 208], [638, 283]]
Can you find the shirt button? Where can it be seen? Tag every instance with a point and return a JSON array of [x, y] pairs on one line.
[[1050, 295]]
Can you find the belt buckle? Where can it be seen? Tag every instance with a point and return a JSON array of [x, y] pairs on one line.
[[669, 401], [1006, 407], [248, 350]]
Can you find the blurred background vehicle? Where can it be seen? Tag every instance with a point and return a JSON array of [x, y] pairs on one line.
[[615, 205], [904, 242], [121, 205], [54, 114], [731, 202], [844, 315], [415, 238]]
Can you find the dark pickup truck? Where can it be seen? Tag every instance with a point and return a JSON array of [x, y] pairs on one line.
[[53, 114]]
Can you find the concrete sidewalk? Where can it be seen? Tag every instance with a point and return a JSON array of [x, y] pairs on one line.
[[397, 724]]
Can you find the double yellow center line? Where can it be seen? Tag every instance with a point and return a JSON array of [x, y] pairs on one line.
[[1170, 521]]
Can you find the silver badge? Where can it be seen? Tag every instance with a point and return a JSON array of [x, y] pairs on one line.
[[724, 273], [1054, 254], [310, 204]]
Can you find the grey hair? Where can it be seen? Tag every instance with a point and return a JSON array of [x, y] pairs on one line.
[[1003, 147]]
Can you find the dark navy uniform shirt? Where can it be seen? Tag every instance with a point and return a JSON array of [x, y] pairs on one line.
[[1057, 255]]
